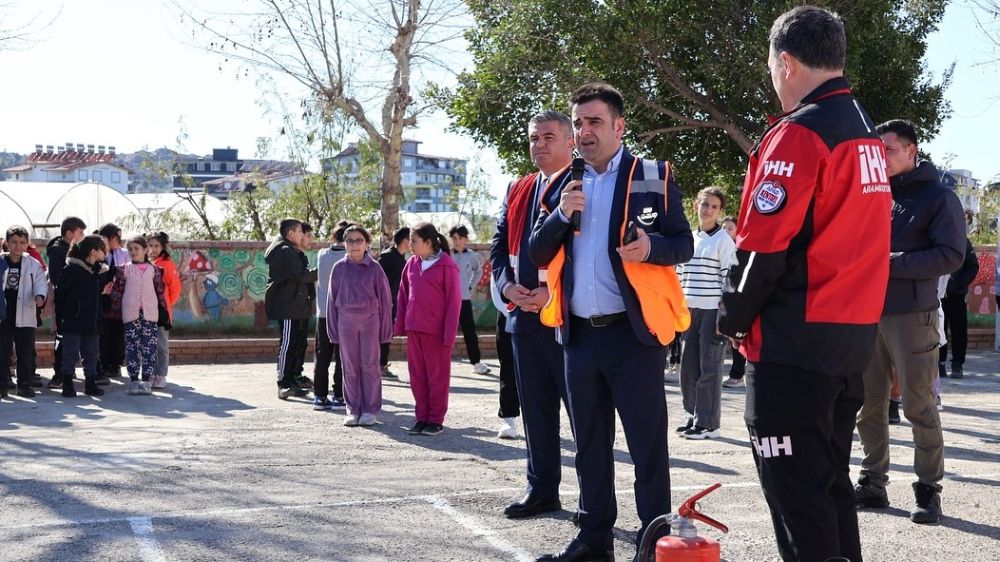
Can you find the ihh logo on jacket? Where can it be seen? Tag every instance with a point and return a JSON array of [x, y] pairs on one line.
[[872, 162], [768, 447]]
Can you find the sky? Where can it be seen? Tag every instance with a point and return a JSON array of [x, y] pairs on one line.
[[124, 73]]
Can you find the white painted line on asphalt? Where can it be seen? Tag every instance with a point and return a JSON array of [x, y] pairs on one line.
[[470, 523], [149, 547]]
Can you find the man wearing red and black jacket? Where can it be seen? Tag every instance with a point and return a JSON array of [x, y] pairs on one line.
[[806, 293]]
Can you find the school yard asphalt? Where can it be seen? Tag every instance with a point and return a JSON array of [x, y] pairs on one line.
[[217, 468]]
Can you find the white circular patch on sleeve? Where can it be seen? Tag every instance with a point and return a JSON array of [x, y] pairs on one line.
[[770, 197]]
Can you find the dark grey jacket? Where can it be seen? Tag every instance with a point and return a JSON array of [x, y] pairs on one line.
[[928, 239]]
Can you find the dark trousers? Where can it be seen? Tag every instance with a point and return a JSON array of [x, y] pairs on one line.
[[112, 345], [608, 369], [325, 353], [383, 348], [292, 350], [21, 340], [541, 388], [801, 424], [57, 353], [956, 328], [510, 405], [468, 324], [701, 369], [739, 364], [77, 346]]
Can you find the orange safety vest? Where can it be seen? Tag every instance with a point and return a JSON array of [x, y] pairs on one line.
[[664, 309]]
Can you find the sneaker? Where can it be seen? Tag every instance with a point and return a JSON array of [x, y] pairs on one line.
[[321, 403], [351, 420], [417, 428], [733, 382], [285, 393], [338, 404], [303, 381], [685, 427], [938, 404], [145, 389], [367, 420], [116, 372], [69, 391], [508, 429], [93, 390], [432, 429], [672, 374], [928, 508], [870, 494], [956, 371], [159, 382], [942, 372], [25, 392], [102, 380], [387, 374], [35, 381], [699, 432], [894, 411], [134, 388], [481, 369], [56, 383]]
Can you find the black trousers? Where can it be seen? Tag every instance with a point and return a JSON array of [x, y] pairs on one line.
[[468, 324], [510, 405], [292, 350], [112, 345], [739, 367], [541, 388], [325, 353], [956, 329], [608, 369], [57, 352], [801, 424], [21, 340], [383, 348]]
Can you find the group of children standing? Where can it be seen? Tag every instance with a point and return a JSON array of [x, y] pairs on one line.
[[359, 309], [108, 299]]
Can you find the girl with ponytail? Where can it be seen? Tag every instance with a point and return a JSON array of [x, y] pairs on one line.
[[427, 309]]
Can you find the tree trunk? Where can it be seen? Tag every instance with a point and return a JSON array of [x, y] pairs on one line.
[[392, 188]]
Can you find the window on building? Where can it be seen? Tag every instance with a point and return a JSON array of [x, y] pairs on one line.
[[215, 166], [443, 164], [97, 175], [423, 193], [81, 175], [422, 207], [407, 162], [116, 177]]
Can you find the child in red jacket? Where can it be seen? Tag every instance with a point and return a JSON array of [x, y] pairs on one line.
[[427, 309]]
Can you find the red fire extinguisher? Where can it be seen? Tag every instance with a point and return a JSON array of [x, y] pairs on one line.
[[683, 544]]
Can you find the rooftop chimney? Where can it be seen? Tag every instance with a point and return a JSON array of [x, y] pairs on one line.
[[49, 148], [111, 150], [90, 149], [100, 149], [79, 147], [38, 148], [69, 147]]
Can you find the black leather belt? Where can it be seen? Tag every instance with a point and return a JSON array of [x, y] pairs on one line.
[[602, 321]]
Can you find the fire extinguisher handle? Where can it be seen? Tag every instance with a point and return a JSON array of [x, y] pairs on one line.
[[689, 509]]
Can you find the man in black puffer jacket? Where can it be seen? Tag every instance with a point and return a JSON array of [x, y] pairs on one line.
[[928, 241], [956, 322]]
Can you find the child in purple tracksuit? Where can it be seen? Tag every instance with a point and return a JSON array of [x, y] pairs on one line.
[[359, 319]]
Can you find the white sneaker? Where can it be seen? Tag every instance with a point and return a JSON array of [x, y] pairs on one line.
[[134, 388], [144, 388], [159, 382], [732, 383], [508, 429], [481, 369], [672, 374], [938, 404], [367, 419], [351, 420]]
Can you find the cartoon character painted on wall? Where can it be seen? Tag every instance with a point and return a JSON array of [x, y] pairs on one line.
[[213, 300]]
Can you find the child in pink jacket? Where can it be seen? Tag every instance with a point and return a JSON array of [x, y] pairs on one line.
[[359, 320], [427, 309]]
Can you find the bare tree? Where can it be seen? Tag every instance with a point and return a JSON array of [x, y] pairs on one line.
[[363, 59], [987, 14], [23, 32]]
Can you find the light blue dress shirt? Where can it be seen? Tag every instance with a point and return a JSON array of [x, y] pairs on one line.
[[595, 289]]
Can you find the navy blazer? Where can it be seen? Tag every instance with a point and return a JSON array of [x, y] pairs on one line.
[[519, 321], [662, 218]]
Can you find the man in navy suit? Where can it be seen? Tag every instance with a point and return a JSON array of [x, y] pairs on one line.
[[538, 357]]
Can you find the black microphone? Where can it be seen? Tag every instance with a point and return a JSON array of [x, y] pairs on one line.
[[576, 174]]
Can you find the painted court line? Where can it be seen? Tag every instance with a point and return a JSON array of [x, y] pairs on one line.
[[472, 525], [195, 514], [149, 547]]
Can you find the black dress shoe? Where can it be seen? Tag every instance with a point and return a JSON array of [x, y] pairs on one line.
[[578, 551], [531, 505]]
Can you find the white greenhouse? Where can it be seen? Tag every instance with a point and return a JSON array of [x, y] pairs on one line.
[[41, 206]]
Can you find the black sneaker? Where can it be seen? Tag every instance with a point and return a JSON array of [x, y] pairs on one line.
[[102, 380], [25, 392], [928, 509], [894, 411], [956, 371], [417, 428], [699, 432], [432, 429], [56, 383], [35, 381], [69, 390], [303, 381], [338, 404], [870, 494], [93, 390], [685, 427]]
